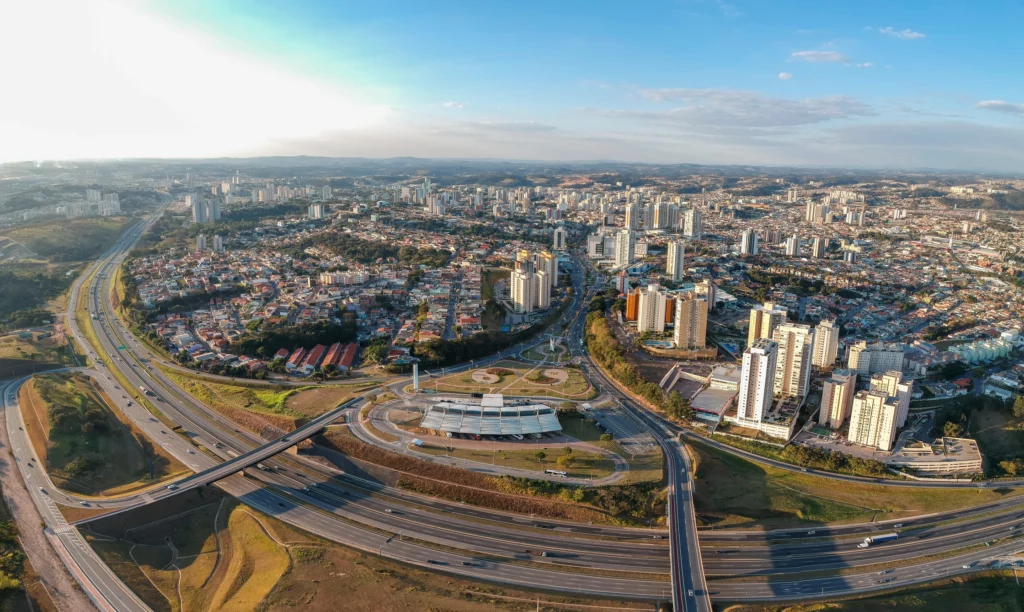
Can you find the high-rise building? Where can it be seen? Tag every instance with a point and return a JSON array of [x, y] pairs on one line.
[[708, 289], [897, 389], [873, 420], [763, 321], [793, 364], [624, 248], [632, 305], [316, 211], [819, 246], [837, 398], [793, 246], [748, 242], [523, 287], [542, 290], [675, 263], [691, 321], [200, 242], [826, 344], [198, 209], [866, 359], [632, 217], [548, 262], [651, 309], [558, 240], [660, 220], [693, 225], [757, 380], [218, 243], [92, 195], [325, 193]]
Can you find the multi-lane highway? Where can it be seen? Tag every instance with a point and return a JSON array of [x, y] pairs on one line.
[[476, 542]]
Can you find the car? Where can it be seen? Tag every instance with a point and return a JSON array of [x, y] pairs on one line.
[[469, 564], [388, 510], [314, 485], [689, 593], [306, 489], [84, 503], [544, 554], [967, 566], [191, 452], [173, 487], [811, 532], [42, 490]]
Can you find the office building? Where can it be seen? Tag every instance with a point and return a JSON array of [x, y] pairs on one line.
[[866, 359], [691, 321], [873, 420], [826, 344], [896, 389], [693, 225], [757, 381], [793, 246], [818, 247], [624, 249], [837, 398], [558, 242], [675, 263], [651, 309], [200, 242], [793, 364], [748, 242], [763, 321]]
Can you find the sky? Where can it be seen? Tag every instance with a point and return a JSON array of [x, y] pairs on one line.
[[866, 84]]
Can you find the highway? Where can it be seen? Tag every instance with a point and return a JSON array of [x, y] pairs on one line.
[[324, 501]]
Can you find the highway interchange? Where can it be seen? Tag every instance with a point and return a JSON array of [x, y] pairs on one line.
[[475, 542]]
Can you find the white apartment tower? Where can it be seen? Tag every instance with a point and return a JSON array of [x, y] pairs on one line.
[[793, 364], [748, 242], [523, 286], [819, 246], [675, 263], [837, 398], [763, 321], [651, 309], [793, 246], [826, 344], [542, 289], [756, 381], [200, 242], [218, 243], [624, 248], [558, 240], [632, 217], [691, 321], [873, 420], [693, 226], [548, 262], [325, 193], [897, 390], [866, 359]]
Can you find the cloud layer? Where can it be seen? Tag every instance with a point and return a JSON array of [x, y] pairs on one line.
[[1002, 107]]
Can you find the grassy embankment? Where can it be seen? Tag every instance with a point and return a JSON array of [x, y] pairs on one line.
[[731, 491], [211, 553], [514, 378], [257, 406], [88, 447], [584, 464]]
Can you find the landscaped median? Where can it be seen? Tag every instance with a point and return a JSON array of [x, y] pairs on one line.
[[87, 446], [516, 378]]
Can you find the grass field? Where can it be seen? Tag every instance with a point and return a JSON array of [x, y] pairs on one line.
[[647, 466], [88, 447], [997, 434], [71, 240], [252, 405], [515, 382], [731, 491], [585, 465], [230, 557], [44, 352], [993, 592]]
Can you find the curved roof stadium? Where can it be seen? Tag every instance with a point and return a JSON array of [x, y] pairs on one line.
[[486, 419]]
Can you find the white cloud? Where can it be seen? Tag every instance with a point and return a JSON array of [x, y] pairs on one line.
[[453, 104], [748, 109], [106, 79], [820, 56], [785, 76], [1002, 107], [906, 34], [865, 65]]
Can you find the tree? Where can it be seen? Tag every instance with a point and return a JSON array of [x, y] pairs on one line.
[[567, 451], [567, 407], [540, 455], [1018, 407], [952, 429], [606, 437], [566, 461], [1009, 467]]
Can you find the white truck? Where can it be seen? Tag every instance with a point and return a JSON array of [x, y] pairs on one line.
[[878, 539]]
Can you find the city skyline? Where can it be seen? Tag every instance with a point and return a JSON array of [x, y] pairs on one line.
[[869, 86]]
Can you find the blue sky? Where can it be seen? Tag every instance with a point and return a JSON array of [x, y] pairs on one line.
[[864, 84]]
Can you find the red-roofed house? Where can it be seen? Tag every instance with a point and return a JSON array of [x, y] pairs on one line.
[[295, 360], [281, 354], [333, 354], [313, 359], [348, 357]]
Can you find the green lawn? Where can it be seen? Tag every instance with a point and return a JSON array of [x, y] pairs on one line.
[[997, 433], [733, 491], [647, 466], [515, 382], [585, 465]]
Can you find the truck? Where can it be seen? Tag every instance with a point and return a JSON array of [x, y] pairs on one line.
[[878, 539], [144, 390]]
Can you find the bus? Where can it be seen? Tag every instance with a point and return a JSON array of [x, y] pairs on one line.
[[555, 473]]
